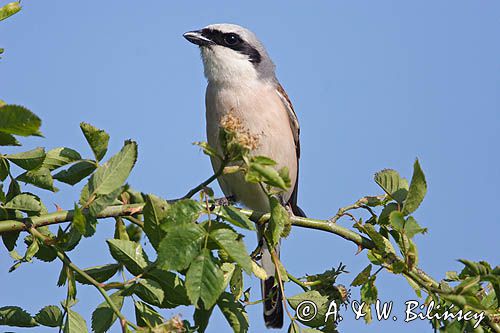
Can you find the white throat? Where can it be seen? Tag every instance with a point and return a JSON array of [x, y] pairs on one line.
[[225, 66]]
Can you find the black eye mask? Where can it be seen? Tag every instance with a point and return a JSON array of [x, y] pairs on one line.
[[234, 42]]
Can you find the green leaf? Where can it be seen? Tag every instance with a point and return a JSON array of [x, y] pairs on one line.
[[201, 318], [4, 168], [75, 173], [75, 323], [59, 157], [235, 217], [146, 316], [181, 212], [149, 291], [417, 191], [15, 316], [397, 220], [99, 273], [155, 211], [18, 120], [227, 240], [128, 253], [236, 283], [25, 202], [395, 186], [180, 246], [204, 280], [277, 221], [264, 173], [234, 312], [40, 177], [369, 292], [383, 218], [207, 149], [173, 287], [263, 160], [9, 240], [50, 316], [85, 226], [320, 301], [111, 175], [362, 277], [412, 227], [8, 140], [100, 202], [103, 316], [32, 250], [97, 139], [28, 160], [9, 10]]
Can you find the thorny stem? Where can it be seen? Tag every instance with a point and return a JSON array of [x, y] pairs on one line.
[[65, 259]]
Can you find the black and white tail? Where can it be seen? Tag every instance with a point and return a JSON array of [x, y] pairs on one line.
[[271, 292]]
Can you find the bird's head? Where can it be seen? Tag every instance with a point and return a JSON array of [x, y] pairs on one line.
[[231, 53]]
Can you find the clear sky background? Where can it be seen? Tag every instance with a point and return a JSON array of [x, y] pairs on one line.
[[374, 83]]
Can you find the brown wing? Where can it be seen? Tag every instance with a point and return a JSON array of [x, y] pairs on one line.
[[294, 125]]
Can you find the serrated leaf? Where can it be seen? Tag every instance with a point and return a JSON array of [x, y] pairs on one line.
[[417, 190], [368, 291], [397, 220], [103, 316], [58, 157], [181, 212], [28, 160], [392, 183], [146, 316], [235, 217], [18, 120], [383, 218], [149, 291], [98, 140], [180, 246], [228, 241], [40, 177], [277, 221], [173, 287], [99, 273], [4, 168], [263, 160], [412, 227], [155, 211], [128, 253], [111, 175], [362, 277], [50, 316], [25, 202], [8, 140], [234, 312], [100, 202], [258, 271], [75, 323], [75, 173], [320, 301], [201, 318], [15, 316], [204, 280], [9, 240]]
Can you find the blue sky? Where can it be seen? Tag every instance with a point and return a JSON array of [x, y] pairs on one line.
[[374, 83]]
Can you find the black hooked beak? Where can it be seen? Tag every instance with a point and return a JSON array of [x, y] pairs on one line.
[[196, 37]]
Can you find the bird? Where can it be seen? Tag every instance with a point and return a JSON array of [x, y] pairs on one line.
[[242, 85]]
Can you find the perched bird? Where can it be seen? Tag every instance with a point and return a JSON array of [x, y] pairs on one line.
[[242, 87]]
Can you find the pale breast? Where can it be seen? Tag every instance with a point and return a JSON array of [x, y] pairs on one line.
[[262, 112]]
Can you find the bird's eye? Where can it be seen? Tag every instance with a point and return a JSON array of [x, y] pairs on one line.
[[231, 39]]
